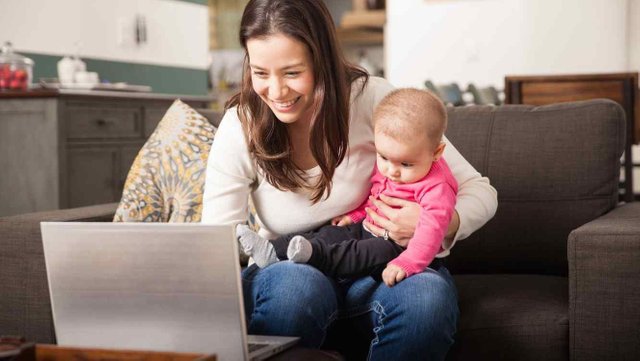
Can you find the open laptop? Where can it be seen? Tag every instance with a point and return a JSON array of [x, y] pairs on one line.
[[150, 286]]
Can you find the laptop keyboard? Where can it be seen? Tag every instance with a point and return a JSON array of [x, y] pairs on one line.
[[256, 346]]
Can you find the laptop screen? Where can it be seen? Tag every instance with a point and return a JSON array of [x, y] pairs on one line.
[[146, 286]]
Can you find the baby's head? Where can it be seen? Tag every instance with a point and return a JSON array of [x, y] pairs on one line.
[[409, 124]]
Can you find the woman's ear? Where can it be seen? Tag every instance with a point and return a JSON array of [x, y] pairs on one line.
[[438, 152]]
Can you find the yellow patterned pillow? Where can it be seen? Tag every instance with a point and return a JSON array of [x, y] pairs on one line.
[[166, 181]]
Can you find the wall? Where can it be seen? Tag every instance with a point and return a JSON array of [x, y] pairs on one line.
[[634, 35], [481, 41], [173, 60]]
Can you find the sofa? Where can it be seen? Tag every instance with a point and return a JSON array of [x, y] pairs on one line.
[[555, 275]]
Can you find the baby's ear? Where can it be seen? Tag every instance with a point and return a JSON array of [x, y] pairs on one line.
[[438, 152]]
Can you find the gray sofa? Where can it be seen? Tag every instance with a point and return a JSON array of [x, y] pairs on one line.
[[555, 275]]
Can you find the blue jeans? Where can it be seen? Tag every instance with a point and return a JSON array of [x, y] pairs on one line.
[[416, 319]]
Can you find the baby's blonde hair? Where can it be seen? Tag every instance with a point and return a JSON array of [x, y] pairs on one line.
[[406, 113]]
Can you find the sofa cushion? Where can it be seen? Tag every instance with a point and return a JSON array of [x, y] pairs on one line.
[[512, 317], [166, 181], [555, 168]]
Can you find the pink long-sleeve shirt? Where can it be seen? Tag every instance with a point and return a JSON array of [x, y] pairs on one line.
[[436, 194]]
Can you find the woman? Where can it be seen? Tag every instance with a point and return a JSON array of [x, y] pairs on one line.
[[298, 139]]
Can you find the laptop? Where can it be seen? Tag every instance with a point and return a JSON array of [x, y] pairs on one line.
[[150, 286]]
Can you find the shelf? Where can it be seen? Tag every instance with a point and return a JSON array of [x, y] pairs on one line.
[[360, 36], [363, 19], [362, 27]]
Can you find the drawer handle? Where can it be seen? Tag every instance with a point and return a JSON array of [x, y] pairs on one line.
[[101, 122]]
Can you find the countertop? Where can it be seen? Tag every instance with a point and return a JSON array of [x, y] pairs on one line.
[[48, 93]]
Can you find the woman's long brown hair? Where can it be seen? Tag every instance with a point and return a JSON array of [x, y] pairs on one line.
[[309, 22]]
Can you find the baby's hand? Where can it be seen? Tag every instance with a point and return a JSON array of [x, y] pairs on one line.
[[341, 221], [393, 274]]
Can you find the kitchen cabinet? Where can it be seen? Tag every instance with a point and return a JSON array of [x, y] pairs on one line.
[[64, 149]]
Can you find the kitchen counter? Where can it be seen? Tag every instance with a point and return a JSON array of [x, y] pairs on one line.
[[71, 148], [48, 93]]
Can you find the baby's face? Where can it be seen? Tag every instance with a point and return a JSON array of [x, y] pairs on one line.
[[404, 161]]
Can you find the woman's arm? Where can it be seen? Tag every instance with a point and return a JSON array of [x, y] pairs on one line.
[[230, 175], [477, 200]]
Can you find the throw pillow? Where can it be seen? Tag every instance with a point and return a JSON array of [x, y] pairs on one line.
[[166, 181]]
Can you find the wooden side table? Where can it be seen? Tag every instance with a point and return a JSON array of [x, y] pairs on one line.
[[46, 352]]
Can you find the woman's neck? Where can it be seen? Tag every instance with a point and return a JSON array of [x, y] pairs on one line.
[[300, 148]]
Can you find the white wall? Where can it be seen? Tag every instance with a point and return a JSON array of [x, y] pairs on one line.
[[177, 31], [481, 41], [634, 36]]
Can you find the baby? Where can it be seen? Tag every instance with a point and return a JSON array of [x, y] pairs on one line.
[[408, 129]]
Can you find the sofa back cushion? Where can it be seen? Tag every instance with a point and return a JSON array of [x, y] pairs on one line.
[[555, 168]]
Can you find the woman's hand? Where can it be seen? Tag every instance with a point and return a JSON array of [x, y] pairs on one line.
[[398, 216], [453, 227]]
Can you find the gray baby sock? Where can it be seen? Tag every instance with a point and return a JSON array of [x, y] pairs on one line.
[[299, 250], [260, 249]]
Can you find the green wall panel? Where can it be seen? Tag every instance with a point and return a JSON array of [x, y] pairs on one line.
[[162, 79], [199, 2]]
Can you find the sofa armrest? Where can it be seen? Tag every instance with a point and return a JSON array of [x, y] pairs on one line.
[[24, 230], [97, 213], [24, 305], [604, 287]]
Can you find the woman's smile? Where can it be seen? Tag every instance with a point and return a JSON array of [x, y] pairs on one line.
[[284, 105]]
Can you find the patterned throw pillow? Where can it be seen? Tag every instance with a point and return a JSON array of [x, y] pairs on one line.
[[166, 181]]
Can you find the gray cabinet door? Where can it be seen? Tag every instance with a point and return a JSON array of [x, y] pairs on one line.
[[29, 159], [93, 173], [127, 156], [152, 116]]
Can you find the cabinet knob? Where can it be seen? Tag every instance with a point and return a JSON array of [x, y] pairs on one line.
[[101, 122]]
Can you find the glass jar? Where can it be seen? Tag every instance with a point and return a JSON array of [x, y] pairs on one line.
[[16, 71]]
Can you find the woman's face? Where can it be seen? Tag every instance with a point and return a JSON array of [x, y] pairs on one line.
[[282, 75]]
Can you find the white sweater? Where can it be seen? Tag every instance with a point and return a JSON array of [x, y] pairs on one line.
[[232, 176]]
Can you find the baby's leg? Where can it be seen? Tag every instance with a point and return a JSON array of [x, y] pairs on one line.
[[258, 248], [299, 250], [264, 251], [355, 258], [343, 251]]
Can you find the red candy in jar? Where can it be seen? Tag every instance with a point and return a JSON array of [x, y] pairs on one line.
[[15, 69]]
